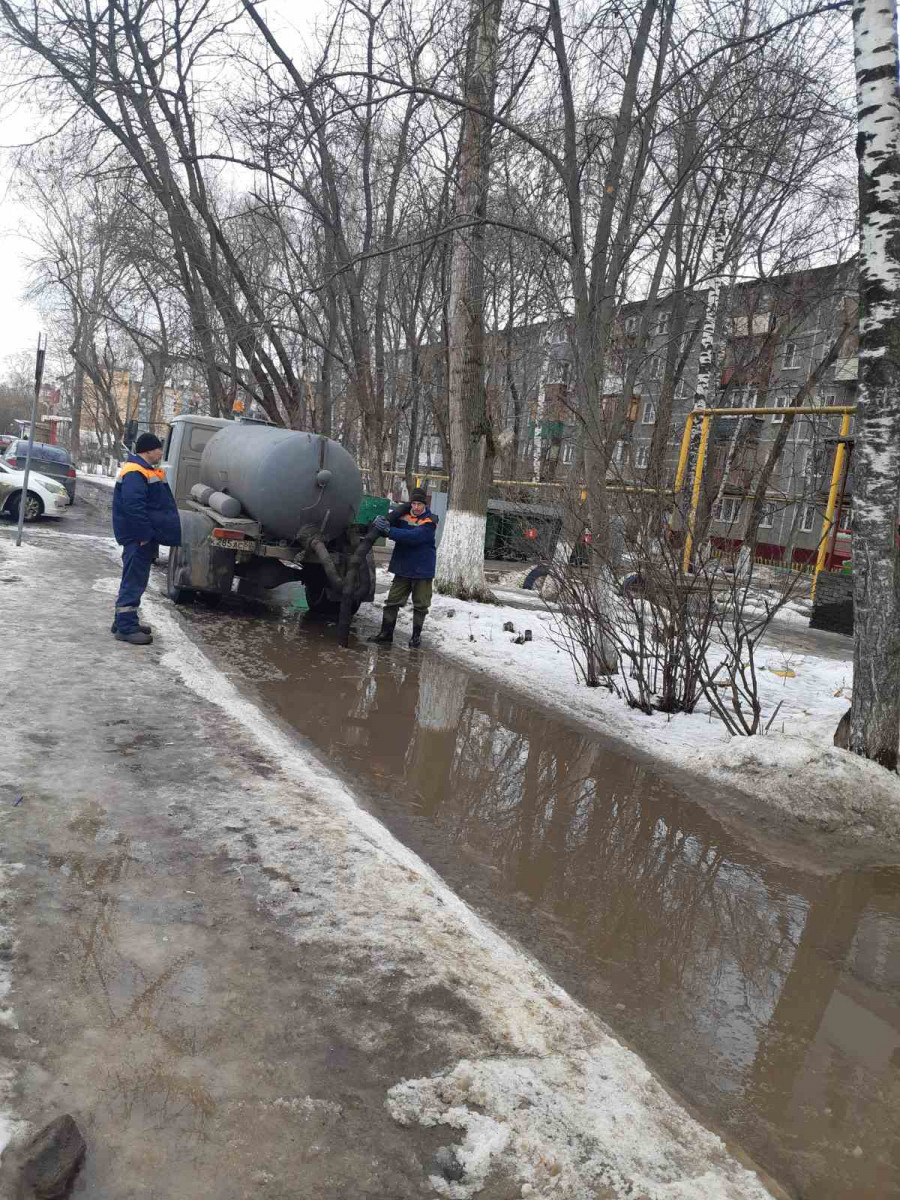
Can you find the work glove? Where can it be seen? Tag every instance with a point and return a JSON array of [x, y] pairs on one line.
[[382, 524]]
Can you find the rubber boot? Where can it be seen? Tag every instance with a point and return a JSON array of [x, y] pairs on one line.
[[135, 637], [388, 621], [416, 640], [143, 628]]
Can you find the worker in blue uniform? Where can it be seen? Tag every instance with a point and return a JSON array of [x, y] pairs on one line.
[[145, 517], [412, 528]]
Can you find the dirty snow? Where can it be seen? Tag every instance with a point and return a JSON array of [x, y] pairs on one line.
[[806, 778], [106, 481], [10, 1127], [12, 557]]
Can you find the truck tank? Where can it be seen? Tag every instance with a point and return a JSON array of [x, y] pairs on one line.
[[284, 479]]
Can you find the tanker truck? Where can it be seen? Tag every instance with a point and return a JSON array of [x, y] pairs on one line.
[[267, 506]]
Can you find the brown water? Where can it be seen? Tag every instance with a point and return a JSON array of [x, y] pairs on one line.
[[767, 995]]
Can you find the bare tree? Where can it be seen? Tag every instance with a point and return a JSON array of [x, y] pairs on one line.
[[460, 569], [875, 715]]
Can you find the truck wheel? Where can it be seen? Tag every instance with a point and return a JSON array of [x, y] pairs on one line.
[[178, 595], [317, 598], [320, 604]]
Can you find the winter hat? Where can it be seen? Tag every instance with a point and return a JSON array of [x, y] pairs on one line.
[[147, 442], [418, 496]]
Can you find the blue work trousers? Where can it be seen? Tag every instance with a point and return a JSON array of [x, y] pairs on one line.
[[136, 563]]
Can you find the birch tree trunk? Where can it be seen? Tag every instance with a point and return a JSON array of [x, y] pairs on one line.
[[540, 411], [695, 522], [707, 345], [875, 715], [460, 568]]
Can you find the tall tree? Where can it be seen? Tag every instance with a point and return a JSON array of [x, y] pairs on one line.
[[460, 570], [875, 716]]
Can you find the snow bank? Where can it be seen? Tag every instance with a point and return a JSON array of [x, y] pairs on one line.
[[104, 481], [794, 770], [567, 1127]]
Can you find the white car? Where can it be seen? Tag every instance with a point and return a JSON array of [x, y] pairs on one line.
[[46, 497]]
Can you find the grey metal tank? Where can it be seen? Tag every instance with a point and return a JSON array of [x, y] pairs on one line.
[[283, 478]]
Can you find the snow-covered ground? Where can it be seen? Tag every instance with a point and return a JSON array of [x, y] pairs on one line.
[[107, 481], [794, 770]]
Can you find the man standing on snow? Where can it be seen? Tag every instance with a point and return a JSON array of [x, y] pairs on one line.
[[412, 527], [145, 516]]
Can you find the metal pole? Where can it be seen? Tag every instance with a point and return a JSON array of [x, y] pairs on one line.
[[840, 505], [695, 493], [38, 376], [683, 453], [836, 472]]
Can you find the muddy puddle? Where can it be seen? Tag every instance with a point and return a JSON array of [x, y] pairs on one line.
[[766, 994]]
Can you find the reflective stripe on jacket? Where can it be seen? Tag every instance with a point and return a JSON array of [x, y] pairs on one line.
[[144, 509]]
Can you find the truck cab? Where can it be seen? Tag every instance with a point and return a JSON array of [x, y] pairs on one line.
[[184, 447]]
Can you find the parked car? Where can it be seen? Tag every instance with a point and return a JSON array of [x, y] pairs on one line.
[[46, 497], [54, 461]]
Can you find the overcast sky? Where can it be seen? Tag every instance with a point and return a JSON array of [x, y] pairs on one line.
[[19, 322]]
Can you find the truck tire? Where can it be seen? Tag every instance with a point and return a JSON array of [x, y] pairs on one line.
[[318, 601], [178, 595]]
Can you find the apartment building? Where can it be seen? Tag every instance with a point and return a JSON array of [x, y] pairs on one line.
[[772, 336]]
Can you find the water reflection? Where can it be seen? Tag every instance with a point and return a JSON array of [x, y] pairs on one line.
[[767, 994]]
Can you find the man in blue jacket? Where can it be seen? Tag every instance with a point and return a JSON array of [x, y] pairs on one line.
[[412, 528], [145, 517]]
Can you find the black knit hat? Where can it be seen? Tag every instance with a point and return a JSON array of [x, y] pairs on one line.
[[418, 496], [147, 442]]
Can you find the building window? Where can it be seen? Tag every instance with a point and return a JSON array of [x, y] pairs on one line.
[[791, 357], [619, 452], [631, 324], [568, 454], [779, 402], [845, 525], [663, 321], [727, 510], [808, 518], [649, 417], [654, 366], [767, 516], [681, 388], [642, 456]]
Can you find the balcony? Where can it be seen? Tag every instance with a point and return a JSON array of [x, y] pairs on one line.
[[846, 370]]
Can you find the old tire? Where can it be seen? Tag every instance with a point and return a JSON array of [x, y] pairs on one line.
[[533, 576], [178, 595], [34, 507]]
